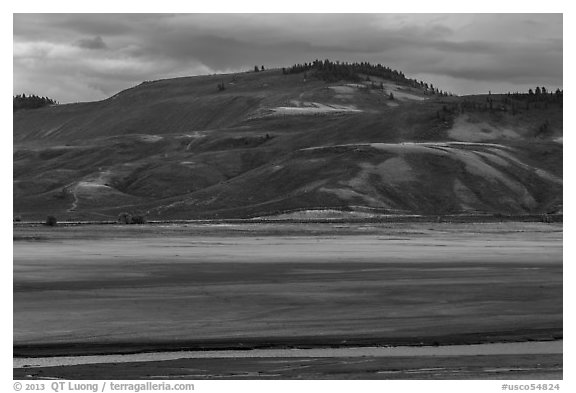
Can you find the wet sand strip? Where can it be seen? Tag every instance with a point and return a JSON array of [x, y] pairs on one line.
[[301, 342], [522, 348], [528, 367]]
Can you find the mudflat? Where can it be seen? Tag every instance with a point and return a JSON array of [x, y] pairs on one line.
[[528, 367], [125, 289]]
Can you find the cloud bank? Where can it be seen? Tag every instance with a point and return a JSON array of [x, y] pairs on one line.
[[84, 57]]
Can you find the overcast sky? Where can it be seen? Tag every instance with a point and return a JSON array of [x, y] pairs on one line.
[[86, 57]]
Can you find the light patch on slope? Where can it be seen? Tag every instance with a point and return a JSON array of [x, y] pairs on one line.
[[94, 182], [465, 196], [540, 172], [439, 148], [493, 158], [150, 138], [392, 171], [195, 136], [348, 195], [90, 185], [343, 92], [465, 130], [430, 147], [480, 144], [55, 130], [395, 170], [399, 92], [403, 148], [342, 89], [324, 214], [403, 96], [476, 166], [312, 108], [309, 187], [87, 188], [356, 85]]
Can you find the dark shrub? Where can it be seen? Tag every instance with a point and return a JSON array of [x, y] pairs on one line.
[[125, 218], [17, 218], [545, 218], [138, 220], [51, 221]]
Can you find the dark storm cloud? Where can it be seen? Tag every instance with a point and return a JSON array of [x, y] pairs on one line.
[[459, 49], [290, 38], [54, 25], [537, 63], [91, 43]]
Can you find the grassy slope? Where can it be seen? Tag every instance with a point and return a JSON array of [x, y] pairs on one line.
[[179, 148]]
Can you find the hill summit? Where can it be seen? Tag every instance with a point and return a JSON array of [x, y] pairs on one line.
[[321, 136]]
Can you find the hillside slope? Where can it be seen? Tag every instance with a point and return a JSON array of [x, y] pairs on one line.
[[271, 143]]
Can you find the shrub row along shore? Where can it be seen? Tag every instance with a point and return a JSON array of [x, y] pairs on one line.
[[545, 218]]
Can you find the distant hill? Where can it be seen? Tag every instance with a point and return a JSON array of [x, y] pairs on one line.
[[277, 141]]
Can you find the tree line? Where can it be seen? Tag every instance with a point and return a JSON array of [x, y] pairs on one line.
[[330, 71], [538, 98], [539, 94], [514, 103], [22, 101]]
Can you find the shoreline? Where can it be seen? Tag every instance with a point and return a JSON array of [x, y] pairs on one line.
[[282, 343], [377, 219], [488, 349]]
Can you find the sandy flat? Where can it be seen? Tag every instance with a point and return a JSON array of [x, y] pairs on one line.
[[522, 348], [124, 286]]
